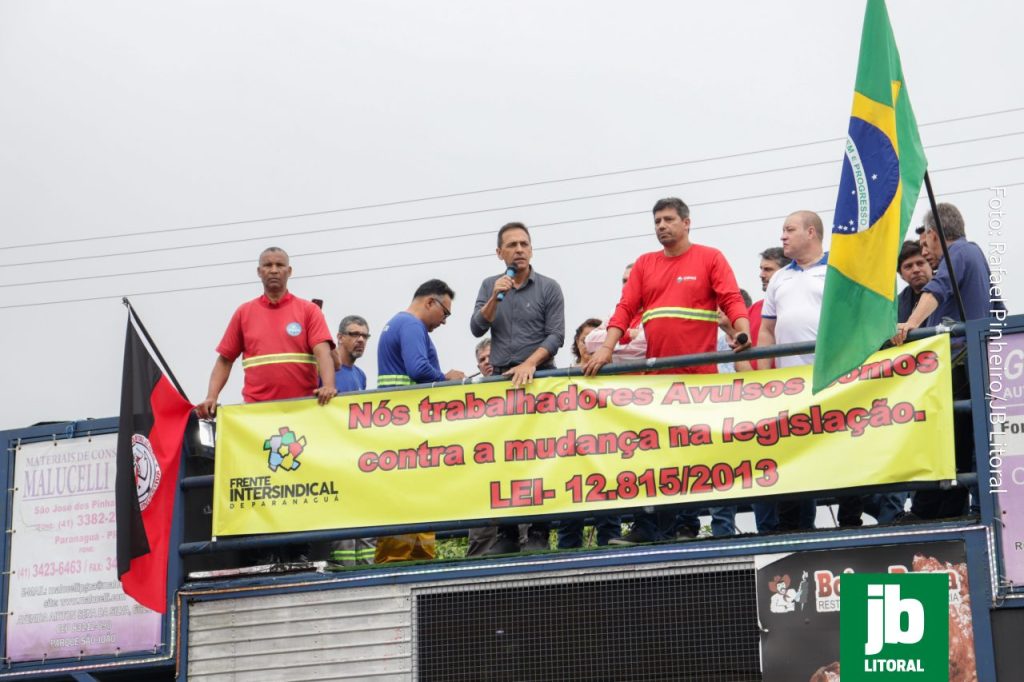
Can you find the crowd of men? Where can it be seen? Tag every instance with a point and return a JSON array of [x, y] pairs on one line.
[[679, 300]]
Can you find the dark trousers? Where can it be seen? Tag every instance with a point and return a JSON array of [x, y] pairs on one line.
[[510, 531], [851, 510], [797, 514], [785, 515], [570, 531]]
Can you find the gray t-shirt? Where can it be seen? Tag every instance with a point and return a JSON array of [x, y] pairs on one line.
[[530, 317]]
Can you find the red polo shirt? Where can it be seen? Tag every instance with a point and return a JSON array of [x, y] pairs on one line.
[[276, 343], [755, 321], [680, 297]]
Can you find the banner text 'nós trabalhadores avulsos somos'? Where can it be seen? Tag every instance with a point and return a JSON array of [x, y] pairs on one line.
[[572, 444]]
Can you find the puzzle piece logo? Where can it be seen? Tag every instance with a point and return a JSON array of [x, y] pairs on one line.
[[284, 450]]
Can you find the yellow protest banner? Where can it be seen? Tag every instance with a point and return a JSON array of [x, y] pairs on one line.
[[573, 444]]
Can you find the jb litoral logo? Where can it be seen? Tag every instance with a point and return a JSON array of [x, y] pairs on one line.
[[894, 627]]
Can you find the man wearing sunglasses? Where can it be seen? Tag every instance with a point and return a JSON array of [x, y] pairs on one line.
[[353, 333], [406, 356]]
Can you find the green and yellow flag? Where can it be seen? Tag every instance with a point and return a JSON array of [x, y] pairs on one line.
[[882, 174]]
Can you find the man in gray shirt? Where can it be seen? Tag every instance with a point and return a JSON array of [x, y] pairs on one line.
[[523, 309], [525, 313]]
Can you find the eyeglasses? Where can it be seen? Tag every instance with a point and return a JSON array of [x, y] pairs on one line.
[[357, 335], [447, 313]]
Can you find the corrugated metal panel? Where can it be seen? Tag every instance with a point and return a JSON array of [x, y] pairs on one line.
[[353, 633]]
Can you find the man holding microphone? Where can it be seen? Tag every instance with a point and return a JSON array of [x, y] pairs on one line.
[[525, 314]]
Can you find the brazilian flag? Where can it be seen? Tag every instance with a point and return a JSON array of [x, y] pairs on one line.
[[883, 169]]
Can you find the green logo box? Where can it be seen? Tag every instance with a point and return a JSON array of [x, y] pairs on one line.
[[894, 626]]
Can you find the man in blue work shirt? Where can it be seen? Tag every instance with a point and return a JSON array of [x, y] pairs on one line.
[[406, 356], [970, 267]]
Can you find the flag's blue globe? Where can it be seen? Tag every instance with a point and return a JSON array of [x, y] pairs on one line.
[[871, 174]]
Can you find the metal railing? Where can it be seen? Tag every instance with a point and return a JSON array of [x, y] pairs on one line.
[[637, 367]]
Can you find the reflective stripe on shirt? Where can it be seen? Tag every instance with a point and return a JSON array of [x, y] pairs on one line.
[[279, 358], [681, 313], [385, 380]]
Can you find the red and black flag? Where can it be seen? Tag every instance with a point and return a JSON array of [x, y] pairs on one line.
[[154, 413]]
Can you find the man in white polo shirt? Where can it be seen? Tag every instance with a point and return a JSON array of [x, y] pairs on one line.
[[792, 304], [792, 301]]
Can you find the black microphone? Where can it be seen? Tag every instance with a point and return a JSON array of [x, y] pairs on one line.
[[511, 272], [742, 338]]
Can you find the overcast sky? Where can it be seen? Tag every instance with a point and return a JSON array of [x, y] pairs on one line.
[[126, 127]]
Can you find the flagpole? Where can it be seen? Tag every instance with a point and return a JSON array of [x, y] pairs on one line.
[[156, 351], [945, 247]]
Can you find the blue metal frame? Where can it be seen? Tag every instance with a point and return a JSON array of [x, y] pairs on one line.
[[6, 511], [974, 536], [981, 591], [275, 539], [977, 337], [707, 549], [979, 546], [162, 658]]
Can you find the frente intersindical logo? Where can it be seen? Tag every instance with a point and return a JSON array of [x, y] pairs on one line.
[[894, 626], [283, 450]]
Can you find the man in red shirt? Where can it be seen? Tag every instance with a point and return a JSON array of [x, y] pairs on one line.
[[680, 290], [284, 342]]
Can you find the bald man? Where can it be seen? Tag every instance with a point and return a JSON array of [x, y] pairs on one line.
[[792, 304], [284, 340], [286, 346], [792, 300]]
